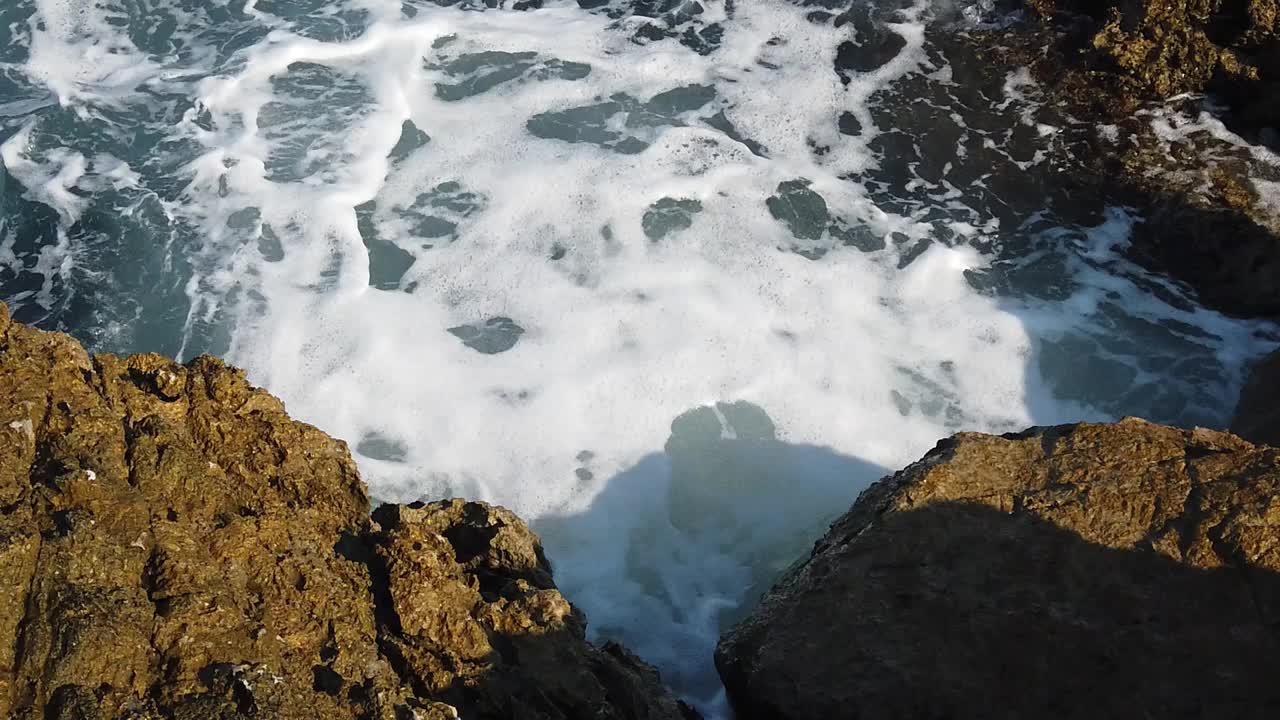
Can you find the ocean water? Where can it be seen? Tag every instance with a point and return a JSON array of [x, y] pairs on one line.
[[673, 279]]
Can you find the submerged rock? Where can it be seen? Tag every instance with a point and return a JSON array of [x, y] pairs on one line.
[[1075, 571], [173, 545]]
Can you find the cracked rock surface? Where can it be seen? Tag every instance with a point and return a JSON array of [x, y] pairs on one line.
[[173, 545], [1121, 570]]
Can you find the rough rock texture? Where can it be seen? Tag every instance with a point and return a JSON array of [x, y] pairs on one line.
[[1258, 412], [1205, 222], [1125, 570], [1118, 63], [1161, 48], [172, 545], [1204, 219]]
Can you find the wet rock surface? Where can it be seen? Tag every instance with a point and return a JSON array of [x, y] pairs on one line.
[[1161, 48], [1075, 571], [1022, 110], [1258, 413], [173, 545], [1119, 64]]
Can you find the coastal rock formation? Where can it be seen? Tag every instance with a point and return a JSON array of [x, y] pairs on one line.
[[1258, 412], [1075, 571], [1161, 48], [1116, 65], [173, 545]]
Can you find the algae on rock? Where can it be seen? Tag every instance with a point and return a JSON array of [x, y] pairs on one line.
[[1136, 69]]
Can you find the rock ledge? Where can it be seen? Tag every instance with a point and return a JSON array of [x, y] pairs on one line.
[[173, 545]]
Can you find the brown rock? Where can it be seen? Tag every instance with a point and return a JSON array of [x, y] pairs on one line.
[[1203, 221], [1168, 47], [173, 545], [1079, 571]]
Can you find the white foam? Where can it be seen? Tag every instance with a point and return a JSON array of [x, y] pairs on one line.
[[51, 178], [1171, 127], [622, 335], [78, 50], [716, 298]]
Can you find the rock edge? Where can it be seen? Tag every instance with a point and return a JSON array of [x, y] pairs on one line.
[[173, 545]]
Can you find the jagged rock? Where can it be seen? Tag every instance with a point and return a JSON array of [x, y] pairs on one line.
[[1205, 222], [1258, 412], [1160, 48], [1076, 571], [173, 545]]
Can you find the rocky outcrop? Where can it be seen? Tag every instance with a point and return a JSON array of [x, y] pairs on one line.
[[1258, 412], [1206, 221], [1206, 218], [1079, 571], [1161, 48], [173, 545]]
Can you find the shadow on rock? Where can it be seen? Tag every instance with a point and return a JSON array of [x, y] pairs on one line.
[[1100, 231], [1011, 137], [174, 547], [1071, 572]]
